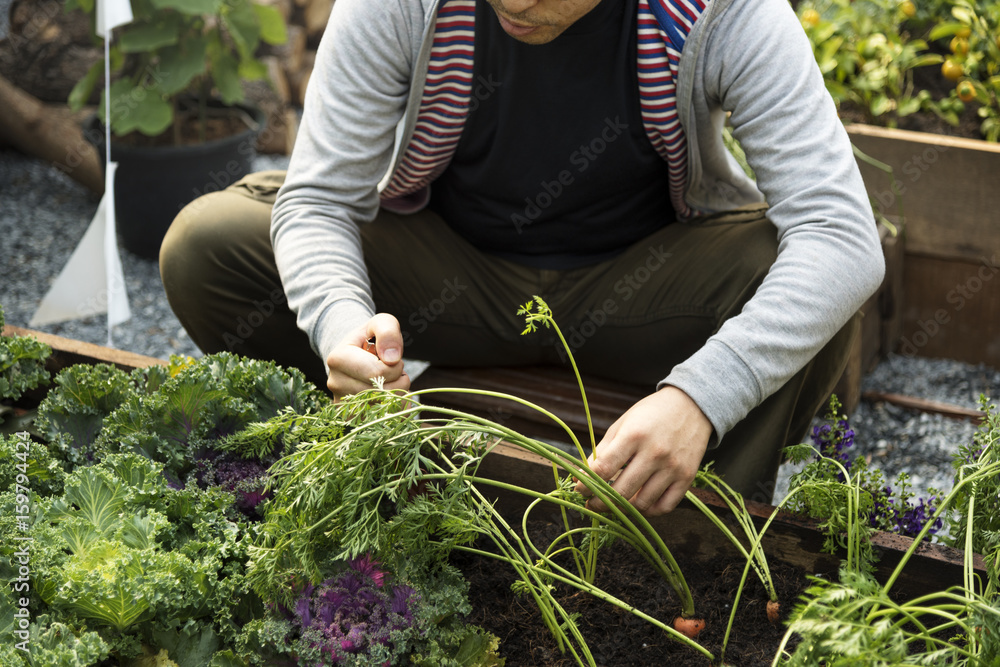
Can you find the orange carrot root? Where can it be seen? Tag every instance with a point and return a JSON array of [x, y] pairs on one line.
[[773, 610], [689, 627]]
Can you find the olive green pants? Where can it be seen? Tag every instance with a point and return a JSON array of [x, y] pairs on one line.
[[631, 318]]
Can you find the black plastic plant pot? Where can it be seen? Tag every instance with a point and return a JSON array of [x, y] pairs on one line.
[[152, 184]]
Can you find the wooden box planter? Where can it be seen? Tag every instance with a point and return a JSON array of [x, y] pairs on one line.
[[789, 539], [948, 190]]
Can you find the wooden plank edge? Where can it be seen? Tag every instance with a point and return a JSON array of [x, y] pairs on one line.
[[923, 138], [925, 405], [68, 351]]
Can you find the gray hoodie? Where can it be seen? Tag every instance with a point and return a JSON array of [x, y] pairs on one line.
[[747, 58]]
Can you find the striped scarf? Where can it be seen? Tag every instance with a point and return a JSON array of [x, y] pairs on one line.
[[663, 27]]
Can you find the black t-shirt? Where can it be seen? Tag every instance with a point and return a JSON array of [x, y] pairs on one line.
[[554, 168]]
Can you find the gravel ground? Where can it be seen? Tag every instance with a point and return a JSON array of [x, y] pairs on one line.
[[44, 214], [922, 445], [4, 17]]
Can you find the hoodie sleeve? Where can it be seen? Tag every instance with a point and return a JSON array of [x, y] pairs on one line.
[[756, 63], [356, 97]]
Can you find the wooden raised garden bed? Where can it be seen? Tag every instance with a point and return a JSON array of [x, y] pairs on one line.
[[710, 562], [790, 539], [947, 188]]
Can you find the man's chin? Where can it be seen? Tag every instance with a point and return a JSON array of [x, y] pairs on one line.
[[541, 35]]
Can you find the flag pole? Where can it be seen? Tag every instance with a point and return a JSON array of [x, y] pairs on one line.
[[109, 173]]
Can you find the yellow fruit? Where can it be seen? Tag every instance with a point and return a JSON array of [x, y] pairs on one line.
[[908, 8], [959, 46], [964, 32], [810, 17], [966, 91], [951, 70]]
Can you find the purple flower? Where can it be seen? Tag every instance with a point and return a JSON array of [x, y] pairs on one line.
[[913, 520]]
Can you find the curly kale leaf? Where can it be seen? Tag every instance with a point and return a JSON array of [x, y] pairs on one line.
[[22, 364], [175, 425], [58, 644], [204, 402], [245, 479], [73, 413], [263, 640], [265, 385], [30, 462], [130, 559], [446, 640]]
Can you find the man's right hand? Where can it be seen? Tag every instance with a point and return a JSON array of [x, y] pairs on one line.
[[351, 368]]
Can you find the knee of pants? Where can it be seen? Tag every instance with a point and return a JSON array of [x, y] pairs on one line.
[[752, 251], [207, 232], [757, 249]]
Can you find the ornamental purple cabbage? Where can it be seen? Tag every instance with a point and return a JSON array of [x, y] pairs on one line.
[[354, 611], [245, 478]]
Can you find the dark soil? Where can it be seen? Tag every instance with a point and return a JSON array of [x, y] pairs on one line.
[[619, 639]]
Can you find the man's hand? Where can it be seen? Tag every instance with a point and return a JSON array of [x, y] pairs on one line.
[[662, 439], [351, 367]]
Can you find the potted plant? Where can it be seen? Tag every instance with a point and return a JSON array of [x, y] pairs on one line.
[[178, 127]]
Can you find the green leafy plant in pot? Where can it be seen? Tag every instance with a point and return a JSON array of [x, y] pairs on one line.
[[178, 125]]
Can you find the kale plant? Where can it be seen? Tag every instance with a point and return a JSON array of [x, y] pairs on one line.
[[72, 415], [355, 616], [178, 415], [120, 553], [22, 364], [21, 457]]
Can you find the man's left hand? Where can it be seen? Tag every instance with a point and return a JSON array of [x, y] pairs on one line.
[[659, 442]]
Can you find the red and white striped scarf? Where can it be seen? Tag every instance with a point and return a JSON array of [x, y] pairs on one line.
[[663, 27]]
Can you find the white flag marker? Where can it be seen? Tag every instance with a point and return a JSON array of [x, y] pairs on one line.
[[92, 282], [110, 15]]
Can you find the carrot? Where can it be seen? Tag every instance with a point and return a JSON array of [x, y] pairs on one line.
[[773, 610], [689, 627]]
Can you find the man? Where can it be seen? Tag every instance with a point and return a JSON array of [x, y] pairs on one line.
[[457, 156]]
